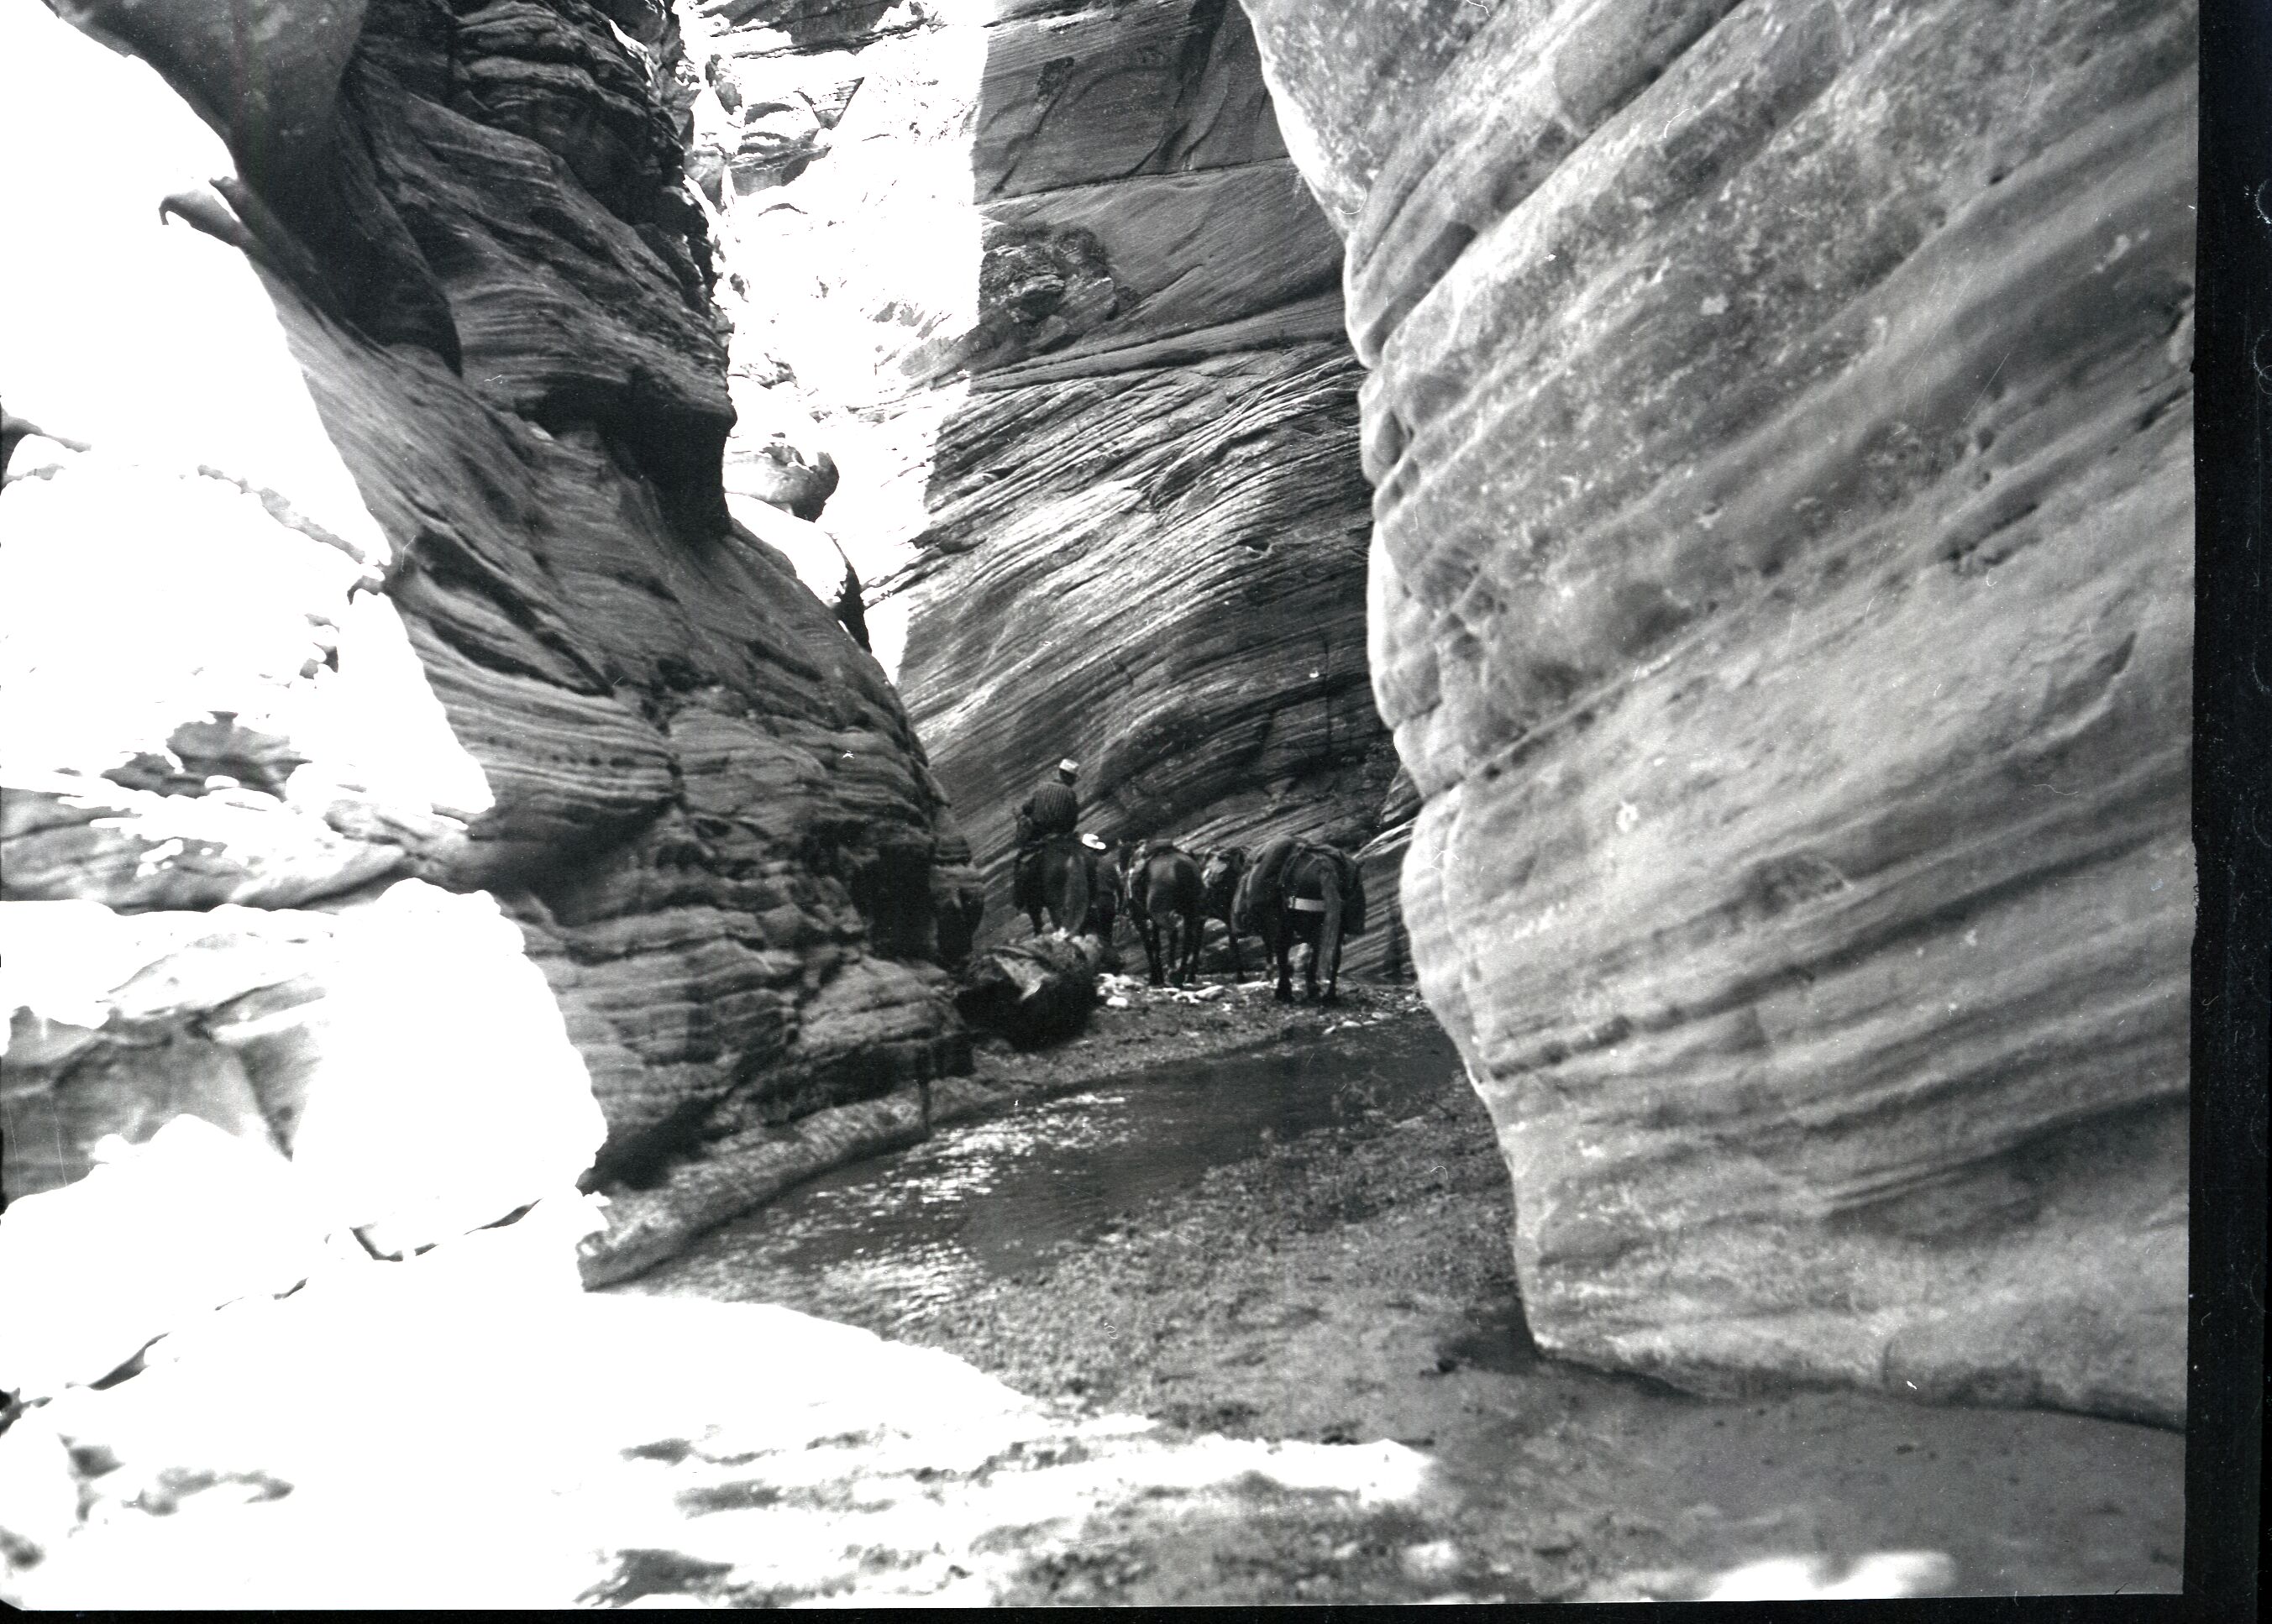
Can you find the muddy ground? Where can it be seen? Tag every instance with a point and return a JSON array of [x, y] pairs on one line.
[[1137, 1026], [1356, 1285]]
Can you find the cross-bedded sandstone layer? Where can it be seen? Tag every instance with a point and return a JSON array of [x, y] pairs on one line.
[[1042, 281], [1782, 596]]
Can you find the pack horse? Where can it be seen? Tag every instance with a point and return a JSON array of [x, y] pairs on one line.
[[1306, 891], [1167, 902]]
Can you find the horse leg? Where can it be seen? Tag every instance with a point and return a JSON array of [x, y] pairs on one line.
[[1281, 947], [1231, 932], [1329, 943], [1152, 950]]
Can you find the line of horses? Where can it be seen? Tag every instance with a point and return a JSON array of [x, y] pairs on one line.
[[1291, 890]]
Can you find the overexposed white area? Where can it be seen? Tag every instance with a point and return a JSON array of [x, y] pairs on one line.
[[433, 1089], [148, 339], [466, 1429], [812, 551], [378, 728], [1813, 1576], [157, 1234], [449, 1092], [860, 274], [197, 555], [1816, 1579]]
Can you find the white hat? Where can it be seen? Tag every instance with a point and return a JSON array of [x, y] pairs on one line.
[[1068, 765], [1092, 843]]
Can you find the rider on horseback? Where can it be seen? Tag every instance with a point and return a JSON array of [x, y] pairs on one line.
[[1051, 812]]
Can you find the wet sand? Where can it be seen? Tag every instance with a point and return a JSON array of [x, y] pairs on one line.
[[1351, 1283]]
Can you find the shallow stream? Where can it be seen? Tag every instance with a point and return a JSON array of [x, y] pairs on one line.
[[899, 1235], [1345, 1287]]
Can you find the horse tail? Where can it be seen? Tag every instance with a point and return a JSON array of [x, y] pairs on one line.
[[1353, 901]]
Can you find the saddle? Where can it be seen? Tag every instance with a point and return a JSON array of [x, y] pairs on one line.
[[1264, 883]]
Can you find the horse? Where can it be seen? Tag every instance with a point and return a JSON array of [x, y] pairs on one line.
[[1163, 880], [1054, 877], [1219, 884], [1308, 891]]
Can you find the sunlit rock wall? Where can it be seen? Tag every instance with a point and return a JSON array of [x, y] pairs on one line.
[[388, 550], [1041, 280], [1781, 595]]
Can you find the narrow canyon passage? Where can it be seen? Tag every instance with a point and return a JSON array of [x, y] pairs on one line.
[[518, 1032]]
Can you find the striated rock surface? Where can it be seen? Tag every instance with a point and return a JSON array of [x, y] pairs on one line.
[[1042, 281], [379, 550], [1780, 596]]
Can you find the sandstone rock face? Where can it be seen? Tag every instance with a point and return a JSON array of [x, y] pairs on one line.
[[387, 550], [1780, 596], [1042, 280]]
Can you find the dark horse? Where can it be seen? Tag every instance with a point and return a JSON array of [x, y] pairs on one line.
[[1164, 892], [1219, 882], [1055, 878], [1308, 891]]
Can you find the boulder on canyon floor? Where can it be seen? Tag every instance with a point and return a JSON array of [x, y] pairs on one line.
[[1780, 596], [1033, 992]]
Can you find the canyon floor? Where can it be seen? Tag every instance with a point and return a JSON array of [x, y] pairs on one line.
[[1238, 1326], [1346, 1281]]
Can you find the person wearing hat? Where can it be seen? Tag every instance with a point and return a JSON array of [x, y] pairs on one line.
[[1052, 810], [1103, 890]]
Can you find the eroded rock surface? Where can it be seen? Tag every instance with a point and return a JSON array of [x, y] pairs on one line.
[[380, 542], [1042, 280], [1782, 597]]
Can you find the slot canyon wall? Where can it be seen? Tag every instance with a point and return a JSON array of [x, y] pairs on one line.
[[1782, 596], [1039, 278], [378, 631], [1761, 468]]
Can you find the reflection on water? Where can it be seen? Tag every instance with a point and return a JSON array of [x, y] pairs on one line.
[[888, 1241]]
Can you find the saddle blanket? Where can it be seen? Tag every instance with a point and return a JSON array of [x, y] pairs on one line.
[[1307, 904]]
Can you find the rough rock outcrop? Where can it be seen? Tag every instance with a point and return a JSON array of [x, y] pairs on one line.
[[393, 553], [1782, 598], [1042, 280]]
